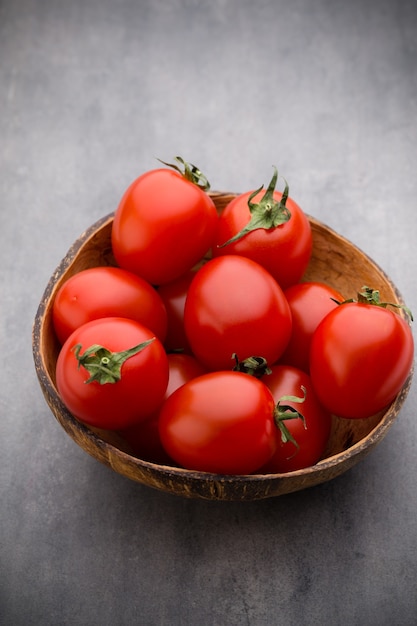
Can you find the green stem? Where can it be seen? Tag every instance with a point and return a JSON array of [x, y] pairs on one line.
[[285, 412], [189, 172], [268, 213], [103, 365], [372, 296]]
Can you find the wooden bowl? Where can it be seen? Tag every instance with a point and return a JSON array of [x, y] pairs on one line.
[[334, 261]]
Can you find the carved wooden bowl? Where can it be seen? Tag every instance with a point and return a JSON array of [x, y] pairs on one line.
[[334, 261]]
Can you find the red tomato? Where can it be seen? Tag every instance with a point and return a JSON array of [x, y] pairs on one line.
[[144, 437], [283, 249], [173, 295], [163, 225], [360, 357], [145, 443], [134, 392], [107, 292], [309, 303], [311, 435], [182, 368], [221, 422], [235, 306]]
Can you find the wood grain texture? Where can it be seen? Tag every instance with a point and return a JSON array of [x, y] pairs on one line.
[[335, 261]]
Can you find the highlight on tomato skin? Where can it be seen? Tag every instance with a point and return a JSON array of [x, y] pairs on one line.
[[361, 355]]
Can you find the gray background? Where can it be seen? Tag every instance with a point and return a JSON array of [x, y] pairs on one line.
[[91, 92]]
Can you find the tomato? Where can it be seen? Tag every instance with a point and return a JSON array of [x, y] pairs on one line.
[[309, 303], [221, 422], [163, 226], [107, 292], [361, 355], [247, 227], [311, 435], [145, 443], [235, 306], [143, 437], [173, 295], [182, 368], [132, 392]]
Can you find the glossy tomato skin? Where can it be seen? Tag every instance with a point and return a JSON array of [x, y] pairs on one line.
[[360, 357], [235, 306], [284, 251], [173, 295], [163, 225], [144, 376], [143, 437], [221, 422], [309, 302], [107, 292], [311, 438], [182, 368]]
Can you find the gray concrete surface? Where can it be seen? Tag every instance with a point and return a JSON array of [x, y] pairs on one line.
[[90, 93]]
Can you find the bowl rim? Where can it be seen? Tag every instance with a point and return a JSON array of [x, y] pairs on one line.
[[69, 422]]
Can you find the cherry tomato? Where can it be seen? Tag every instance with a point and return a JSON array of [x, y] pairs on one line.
[[135, 387], [145, 443], [163, 226], [144, 437], [221, 422], [361, 355], [309, 303], [235, 306], [107, 292], [311, 435], [283, 249], [182, 368], [173, 295]]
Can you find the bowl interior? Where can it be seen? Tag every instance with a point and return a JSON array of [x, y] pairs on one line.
[[335, 261]]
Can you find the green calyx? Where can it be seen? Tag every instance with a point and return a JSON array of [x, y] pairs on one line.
[[285, 412], [268, 213], [371, 296], [105, 366], [189, 172], [255, 366]]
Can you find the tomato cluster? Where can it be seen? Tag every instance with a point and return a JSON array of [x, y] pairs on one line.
[[203, 346]]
